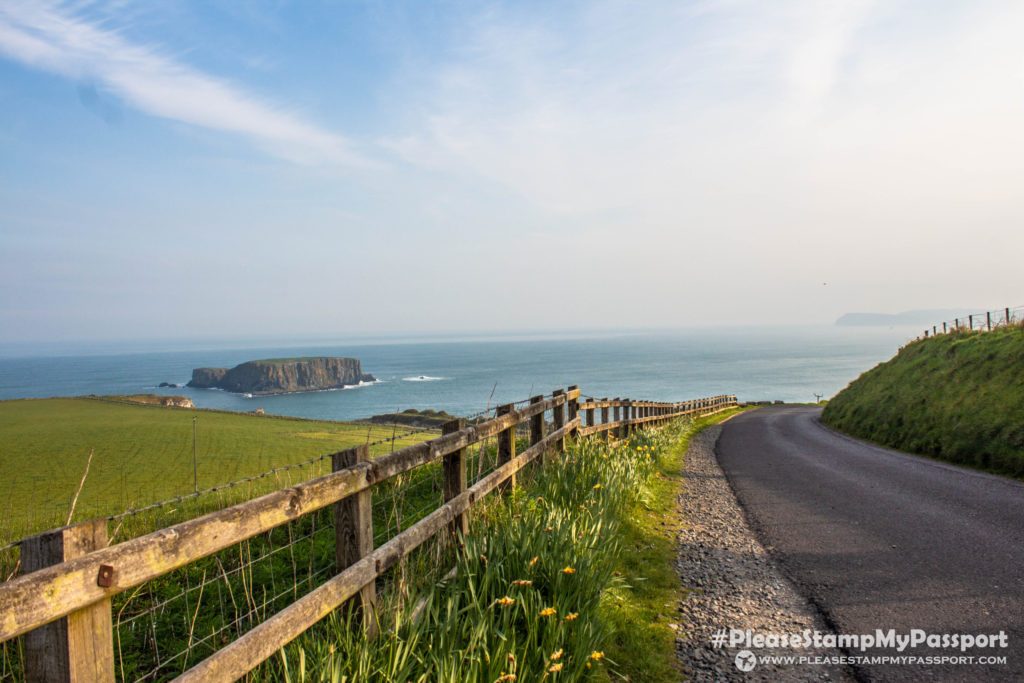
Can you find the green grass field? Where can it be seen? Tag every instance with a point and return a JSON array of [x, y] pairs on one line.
[[143, 454], [957, 397]]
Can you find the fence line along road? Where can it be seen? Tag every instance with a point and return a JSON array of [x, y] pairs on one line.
[[984, 321], [62, 603]]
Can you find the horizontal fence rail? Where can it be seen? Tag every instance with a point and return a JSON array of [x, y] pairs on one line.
[[984, 321], [62, 601]]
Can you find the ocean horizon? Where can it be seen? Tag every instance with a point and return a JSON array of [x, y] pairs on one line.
[[465, 375]]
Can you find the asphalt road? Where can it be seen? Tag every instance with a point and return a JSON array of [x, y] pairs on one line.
[[878, 539]]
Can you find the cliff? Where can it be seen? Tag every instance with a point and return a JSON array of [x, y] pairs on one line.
[[282, 375]]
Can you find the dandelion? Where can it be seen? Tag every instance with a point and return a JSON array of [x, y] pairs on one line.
[[568, 570], [555, 668], [597, 656], [571, 616], [555, 656], [547, 611]]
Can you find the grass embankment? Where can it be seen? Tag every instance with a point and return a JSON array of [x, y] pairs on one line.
[[143, 454], [641, 612], [957, 397], [571, 578]]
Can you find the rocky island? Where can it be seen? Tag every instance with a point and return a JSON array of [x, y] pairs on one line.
[[282, 376]]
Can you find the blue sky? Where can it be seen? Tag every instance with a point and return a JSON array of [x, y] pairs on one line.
[[191, 169]]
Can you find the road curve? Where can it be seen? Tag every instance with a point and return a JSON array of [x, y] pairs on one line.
[[878, 539]]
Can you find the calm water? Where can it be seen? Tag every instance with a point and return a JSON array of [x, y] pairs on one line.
[[790, 364]]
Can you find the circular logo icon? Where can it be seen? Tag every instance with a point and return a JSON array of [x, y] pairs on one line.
[[746, 661]]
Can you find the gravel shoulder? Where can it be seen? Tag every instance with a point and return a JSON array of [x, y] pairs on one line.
[[731, 583]]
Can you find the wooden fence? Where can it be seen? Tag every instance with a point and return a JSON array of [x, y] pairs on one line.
[[984, 321], [62, 601]]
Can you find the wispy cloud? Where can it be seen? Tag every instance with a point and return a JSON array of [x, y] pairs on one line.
[[55, 38]]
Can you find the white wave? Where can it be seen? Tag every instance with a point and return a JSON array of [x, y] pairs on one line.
[[362, 384], [423, 378]]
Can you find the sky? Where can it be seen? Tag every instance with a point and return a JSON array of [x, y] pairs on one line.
[[224, 169]]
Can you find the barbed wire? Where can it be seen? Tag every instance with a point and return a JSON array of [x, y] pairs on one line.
[[177, 500], [976, 321], [276, 470]]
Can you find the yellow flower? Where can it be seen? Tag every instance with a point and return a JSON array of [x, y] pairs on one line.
[[556, 655], [597, 486], [597, 656], [556, 667], [568, 570], [522, 582], [505, 601], [505, 678], [547, 611], [571, 616], [550, 528], [534, 560]]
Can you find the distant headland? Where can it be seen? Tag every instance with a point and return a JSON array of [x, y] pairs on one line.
[[282, 376]]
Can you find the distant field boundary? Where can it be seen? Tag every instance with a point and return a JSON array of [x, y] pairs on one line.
[[62, 603], [984, 321]]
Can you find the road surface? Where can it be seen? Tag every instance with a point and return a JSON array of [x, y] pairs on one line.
[[878, 539]]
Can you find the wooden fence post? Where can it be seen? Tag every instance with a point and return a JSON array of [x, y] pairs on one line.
[[624, 429], [1007, 315], [454, 467], [988, 317], [574, 409], [616, 411], [604, 420], [558, 415], [506, 448], [79, 647], [944, 328], [353, 533], [537, 427], [589, 412], [970, 323]]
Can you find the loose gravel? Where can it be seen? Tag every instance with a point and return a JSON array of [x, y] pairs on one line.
[[731, 583]]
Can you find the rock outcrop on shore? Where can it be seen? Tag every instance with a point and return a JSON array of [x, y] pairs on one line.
[[282, 375]]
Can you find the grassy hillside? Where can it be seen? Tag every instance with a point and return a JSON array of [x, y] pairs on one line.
[[958, 397], [143, 454]]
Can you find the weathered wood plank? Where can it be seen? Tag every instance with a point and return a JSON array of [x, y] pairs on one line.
[[250, 649], [79, 647], [537, 426], [353, 533], [33, 600], [454, 472], [48, 594], [558, 416], [507, 447]]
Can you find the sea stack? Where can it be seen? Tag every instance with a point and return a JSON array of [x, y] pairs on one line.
[[282, 375]]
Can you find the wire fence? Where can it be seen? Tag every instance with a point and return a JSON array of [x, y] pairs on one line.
[[166, 625], [985, 321]]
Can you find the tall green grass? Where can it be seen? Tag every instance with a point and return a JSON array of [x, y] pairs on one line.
[[526, 600], [957, 397]]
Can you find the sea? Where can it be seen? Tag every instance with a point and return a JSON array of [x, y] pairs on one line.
[[465, 376]]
